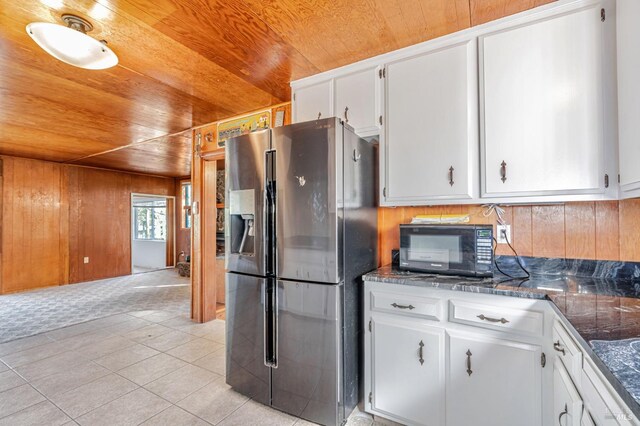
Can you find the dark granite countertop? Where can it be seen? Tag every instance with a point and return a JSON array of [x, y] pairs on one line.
[[598, 301]]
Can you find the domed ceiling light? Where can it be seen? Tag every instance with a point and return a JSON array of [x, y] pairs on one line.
[[71, 44]]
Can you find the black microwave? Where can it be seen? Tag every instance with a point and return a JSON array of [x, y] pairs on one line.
[[447, 249]]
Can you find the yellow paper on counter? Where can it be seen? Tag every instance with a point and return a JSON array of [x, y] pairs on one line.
[[440, 218]]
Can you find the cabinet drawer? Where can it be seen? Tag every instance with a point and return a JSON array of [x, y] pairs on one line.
[[567, 351], [600, 401], [425, 307], [497, 317]]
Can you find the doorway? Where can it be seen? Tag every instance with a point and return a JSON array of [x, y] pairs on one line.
[[152, 232]]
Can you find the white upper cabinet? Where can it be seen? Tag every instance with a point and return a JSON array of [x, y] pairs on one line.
[[628, 16], [313, 101], [520, 110], [542, 107], [357, 100], [353, 97], [430, 145]]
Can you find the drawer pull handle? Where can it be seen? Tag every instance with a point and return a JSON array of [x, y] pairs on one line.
[[564, 413], [395, 305], [501, 320], [503, 171], [469, 371], [421, 358], [558, 347]]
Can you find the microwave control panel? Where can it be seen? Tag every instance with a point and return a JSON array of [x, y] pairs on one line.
[[484, 250]]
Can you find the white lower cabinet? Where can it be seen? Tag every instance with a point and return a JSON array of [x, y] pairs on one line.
[[422, 368], [493, 381], [427, 362], [408, 371], [567, 403], [587, 420]]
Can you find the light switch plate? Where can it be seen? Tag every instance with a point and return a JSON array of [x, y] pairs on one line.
[[86, 259], [502, 231]]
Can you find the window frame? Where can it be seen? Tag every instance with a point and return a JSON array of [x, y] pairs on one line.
[[186, 220], [151, 230]]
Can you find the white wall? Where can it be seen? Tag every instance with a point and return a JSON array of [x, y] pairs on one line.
[[150, 254]]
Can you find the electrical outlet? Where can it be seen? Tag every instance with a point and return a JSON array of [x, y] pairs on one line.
[[504, 234], [86, 259]]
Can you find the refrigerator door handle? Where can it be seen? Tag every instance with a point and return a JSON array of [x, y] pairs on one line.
[[270, 324], [265, 214], [269, 234], [275, 325], [265, 327]]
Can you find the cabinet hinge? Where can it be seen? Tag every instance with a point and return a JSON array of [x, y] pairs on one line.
[[370, 397], [380, 120], [603, 14], [606, 181], [618, 177], [382, 73], [369, 325], [543, 359], [294, 96], [384, 191]]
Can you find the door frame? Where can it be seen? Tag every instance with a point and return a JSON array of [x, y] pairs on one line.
[[170, 225]]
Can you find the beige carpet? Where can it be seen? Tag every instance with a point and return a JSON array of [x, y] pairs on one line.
[[33, 312]]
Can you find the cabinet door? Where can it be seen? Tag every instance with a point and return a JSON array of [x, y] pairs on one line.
[[312, 101], [628, 46], [567, 404], [357, 101], [493, 382], [407, 371], [586, 419], [542, 107], [430, 146]]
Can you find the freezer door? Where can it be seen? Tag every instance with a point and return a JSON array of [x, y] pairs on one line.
[[306, 382], [245, 202], [245, 325], [309, 189]]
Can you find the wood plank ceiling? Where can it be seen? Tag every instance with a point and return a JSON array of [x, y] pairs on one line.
[[184, 63]]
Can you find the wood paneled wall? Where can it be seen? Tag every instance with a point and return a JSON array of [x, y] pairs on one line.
[[35, 224], [604, 230], [53, 215]]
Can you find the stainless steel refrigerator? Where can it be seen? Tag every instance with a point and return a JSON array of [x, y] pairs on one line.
[[302, 229]]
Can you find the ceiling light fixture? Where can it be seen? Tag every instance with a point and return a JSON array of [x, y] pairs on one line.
[[71, 44]]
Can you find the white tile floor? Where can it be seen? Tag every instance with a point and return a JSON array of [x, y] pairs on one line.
[[142, 367]]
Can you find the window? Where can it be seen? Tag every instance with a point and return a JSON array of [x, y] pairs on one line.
[[150, 220], [186, 205]]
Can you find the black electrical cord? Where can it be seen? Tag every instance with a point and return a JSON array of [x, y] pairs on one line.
[[518, 260]]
